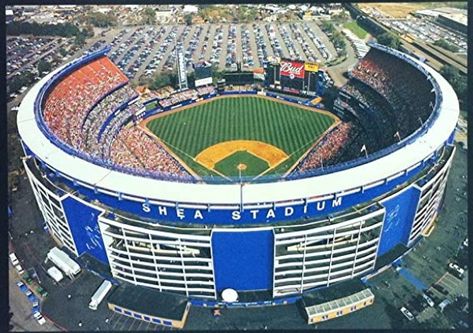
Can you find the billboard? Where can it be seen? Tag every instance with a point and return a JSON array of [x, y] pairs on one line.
[[292, 69], [203, 82], [311, 67]]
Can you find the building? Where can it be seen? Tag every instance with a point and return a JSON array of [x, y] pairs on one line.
[[335, 302], [271, 241]]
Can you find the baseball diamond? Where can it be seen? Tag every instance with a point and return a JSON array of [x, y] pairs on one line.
[[331, 196], [242, 163], [277, 132], [219, 152]]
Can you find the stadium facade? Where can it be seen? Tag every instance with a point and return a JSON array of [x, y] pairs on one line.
[[279, 237]]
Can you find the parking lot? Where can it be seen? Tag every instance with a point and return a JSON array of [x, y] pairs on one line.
[[142, 50]]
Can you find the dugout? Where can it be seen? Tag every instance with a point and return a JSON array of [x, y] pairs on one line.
[[150, 305]]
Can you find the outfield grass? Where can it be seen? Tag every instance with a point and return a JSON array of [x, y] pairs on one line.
[[287, 127], [229, 165], [354, 27]]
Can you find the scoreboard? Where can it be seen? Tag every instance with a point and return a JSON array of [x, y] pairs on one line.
[[293, 76]]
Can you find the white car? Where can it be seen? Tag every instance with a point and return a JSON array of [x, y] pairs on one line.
[[19, 269], [465, 242], [39, 318], [407, 314], [456, 268], [14, 259], [428, 300]]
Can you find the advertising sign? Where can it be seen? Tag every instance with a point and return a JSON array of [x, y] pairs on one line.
[[293, 69], [311, 67]]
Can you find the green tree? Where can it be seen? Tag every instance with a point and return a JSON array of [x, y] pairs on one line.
[[188, 19], [148, 16], [43, 66], [457, 80], [62, 52], [446, 45], [100, 20], [18, 81], [160, 80], [389, 39], [88, 31], [79, 40], [37, 29], [327, 26]]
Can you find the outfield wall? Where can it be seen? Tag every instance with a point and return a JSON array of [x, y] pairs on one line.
[[313, 231]]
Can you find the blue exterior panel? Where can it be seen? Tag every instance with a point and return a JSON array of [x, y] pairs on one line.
[[400, 212], [85, 230], [243, 260]]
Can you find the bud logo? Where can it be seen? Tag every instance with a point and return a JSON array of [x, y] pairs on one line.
[[292, 69]]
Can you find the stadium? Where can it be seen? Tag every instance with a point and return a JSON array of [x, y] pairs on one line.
[[261, 191]]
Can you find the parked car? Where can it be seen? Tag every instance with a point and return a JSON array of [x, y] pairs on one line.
[[407, 314], [19, 269], [39, 318], [14, 259], [32, 298], [429, 300], [456, 270], [443, 304], [22, 286]]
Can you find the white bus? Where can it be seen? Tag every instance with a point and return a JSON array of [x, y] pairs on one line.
[[99, 294]]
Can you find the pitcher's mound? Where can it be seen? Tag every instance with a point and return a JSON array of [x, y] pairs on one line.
[[241, 166]]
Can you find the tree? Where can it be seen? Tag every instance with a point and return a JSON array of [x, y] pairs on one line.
[[79, 40], [160, 80], [62, 52], [148, 16], [43, 66], [188, 19], [446, 45], [327, 27], [456, 79], [37, 29], [18, 81], [100, 20], [88, 31], [389, 39]]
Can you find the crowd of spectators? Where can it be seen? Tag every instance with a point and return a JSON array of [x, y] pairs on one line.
[[113, 127], [99, 114], [405, 88], [176, 98], [326, 148], [134, 148], [76, 112], [206, 90], [69, 102]]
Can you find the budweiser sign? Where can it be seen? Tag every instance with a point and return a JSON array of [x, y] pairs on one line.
[[292, 69]]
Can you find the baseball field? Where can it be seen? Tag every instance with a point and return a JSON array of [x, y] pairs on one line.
[[231, 136]]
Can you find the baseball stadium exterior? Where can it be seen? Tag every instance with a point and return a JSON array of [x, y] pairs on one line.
[[280, 236]]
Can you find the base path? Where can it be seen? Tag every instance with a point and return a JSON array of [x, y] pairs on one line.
[[213, 154]]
